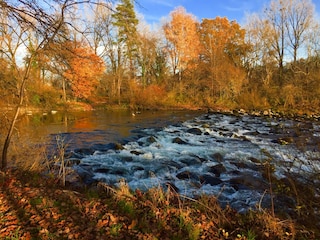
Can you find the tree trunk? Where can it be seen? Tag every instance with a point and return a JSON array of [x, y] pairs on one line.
[[64, 90], [4, 160]]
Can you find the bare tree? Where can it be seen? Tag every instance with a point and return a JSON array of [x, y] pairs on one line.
[[259, 34], [13, 37], [276, 16], [102, 39], [290, 21], [46, 18], [300, 14]]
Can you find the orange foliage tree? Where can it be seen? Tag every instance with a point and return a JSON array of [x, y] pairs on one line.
[[183, 40], [84, 72]]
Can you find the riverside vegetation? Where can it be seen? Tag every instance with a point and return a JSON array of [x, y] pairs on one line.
[[34, 206]]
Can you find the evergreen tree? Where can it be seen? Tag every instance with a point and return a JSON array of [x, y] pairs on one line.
[[126, 22]]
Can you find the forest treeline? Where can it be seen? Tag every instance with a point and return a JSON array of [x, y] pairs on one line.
[[56, 53]]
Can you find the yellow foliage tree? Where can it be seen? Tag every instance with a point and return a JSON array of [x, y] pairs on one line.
[[183, 40], [223, 46]]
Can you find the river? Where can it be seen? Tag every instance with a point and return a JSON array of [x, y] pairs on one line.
[[225, 155]]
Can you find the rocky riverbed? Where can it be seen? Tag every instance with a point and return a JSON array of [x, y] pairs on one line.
[[241, 159]]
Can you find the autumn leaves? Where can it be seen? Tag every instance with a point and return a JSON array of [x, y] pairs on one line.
[[85, 70], [110, 54], [214, 47]]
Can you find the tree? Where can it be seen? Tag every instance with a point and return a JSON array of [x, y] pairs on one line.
[[46, 19], [183, 40], [126, 22], [124, 19], [289, 21], [104, 36], [147, 56], [300, 20], [85, 69], [261, 62], [223, 48], [13, 37], [276, 17]]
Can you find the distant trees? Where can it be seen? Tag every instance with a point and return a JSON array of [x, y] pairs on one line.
[[210, 54], [207, 62], [280, 39], [288, 23], [151, 61]]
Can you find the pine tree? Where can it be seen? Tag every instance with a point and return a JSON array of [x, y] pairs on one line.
[[126, 22]]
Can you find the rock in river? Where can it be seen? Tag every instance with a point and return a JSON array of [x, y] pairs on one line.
[[195, 131], [209, 179], [217, 169]]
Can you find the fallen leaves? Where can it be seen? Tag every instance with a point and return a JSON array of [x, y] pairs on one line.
[[44, 211], [29, 210]]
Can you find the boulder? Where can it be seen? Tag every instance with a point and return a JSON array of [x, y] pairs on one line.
[[119, 171], [186, 175], [178, 141], [183, 175], [84, 151], [217, 157], [252, 133], [195, 131], [137, 168], [283, 140], [135, 152], [205, 125], [254, 160], [102, 170], [239, 164], [209, 179], [114, 146], [118, 146], [190, 160], [249, 182], [217, 169], [151, 139]]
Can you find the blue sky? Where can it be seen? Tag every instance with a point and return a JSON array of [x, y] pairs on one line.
[[154, 10]]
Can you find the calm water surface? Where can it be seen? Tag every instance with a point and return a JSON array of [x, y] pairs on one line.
[[84, 129]]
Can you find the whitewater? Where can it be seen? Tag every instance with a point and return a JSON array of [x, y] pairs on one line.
[[224, 155]]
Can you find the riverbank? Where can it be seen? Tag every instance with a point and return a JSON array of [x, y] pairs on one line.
[[34, 206], [81, 106], [157, 213]]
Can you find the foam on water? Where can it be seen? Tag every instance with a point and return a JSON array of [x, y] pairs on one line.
[[239, 146]]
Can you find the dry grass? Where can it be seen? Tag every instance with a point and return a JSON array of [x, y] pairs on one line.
[[27, 156], [120, 213]]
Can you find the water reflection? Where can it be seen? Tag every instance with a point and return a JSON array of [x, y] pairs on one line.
[[85, 129]]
